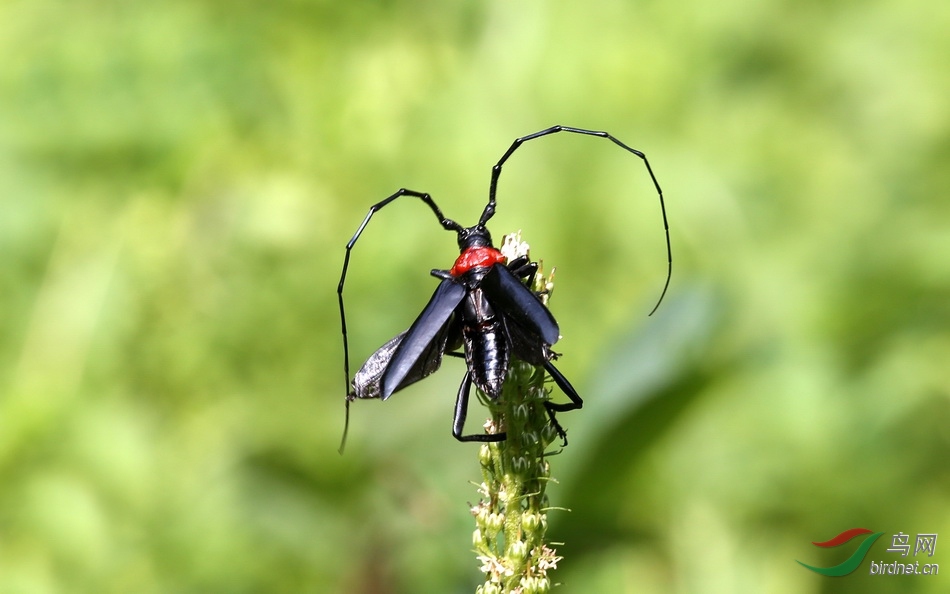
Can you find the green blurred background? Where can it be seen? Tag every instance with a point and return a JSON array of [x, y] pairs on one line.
[[178, 180]]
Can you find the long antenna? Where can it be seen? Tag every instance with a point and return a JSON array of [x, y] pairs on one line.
[[496, 172]]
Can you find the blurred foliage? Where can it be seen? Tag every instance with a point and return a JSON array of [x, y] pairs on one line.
[[177, 182]]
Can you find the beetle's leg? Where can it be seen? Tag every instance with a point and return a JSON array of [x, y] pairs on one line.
[[461, 411], [552, 407]]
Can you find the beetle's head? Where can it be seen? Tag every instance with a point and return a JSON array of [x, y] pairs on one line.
[[477, 236]]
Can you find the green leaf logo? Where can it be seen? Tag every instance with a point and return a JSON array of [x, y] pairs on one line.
[[852, 562]]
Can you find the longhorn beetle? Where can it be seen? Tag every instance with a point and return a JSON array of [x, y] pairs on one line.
[[484, 304]]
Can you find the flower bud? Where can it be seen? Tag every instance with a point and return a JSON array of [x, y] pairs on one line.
[[520, 413], [518, 551], [484, 456], [495, 522], [529, 585], [530, 522], [520, 464]]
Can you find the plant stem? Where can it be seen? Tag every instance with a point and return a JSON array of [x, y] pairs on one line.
[[511, 517]]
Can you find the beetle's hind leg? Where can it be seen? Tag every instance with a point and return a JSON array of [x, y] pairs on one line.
[[554, 407], [461, 412]]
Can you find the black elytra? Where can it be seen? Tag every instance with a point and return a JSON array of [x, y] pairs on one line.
[[483, 304]]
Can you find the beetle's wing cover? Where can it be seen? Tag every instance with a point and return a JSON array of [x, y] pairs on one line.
[[526, 345], [420, 350], [518, 303], [366, 382]]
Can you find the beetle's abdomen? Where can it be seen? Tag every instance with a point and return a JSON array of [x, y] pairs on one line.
[[486, 344], [487, 357]]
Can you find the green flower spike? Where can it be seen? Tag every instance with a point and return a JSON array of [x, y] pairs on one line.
[[510, 518]]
